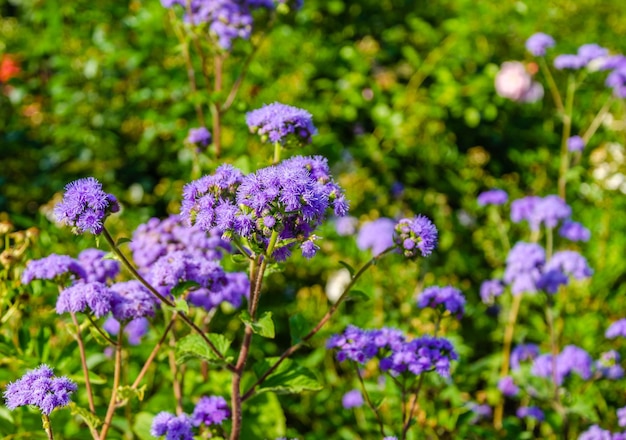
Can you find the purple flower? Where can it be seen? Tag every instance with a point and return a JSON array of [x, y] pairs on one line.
[[570, 263], [490, 290], [449, 297], [621, 417], [199, 136], [608, 365], [280, 123], [617, 78], [571, 360], [97, 267], [492, 197], [134, 330], [522, 209], [53, 267], [85, 206], [481, 412], [515, 83], [590, 52], [376, 235], [575, 143], [352, 399], [524, 266], [355, 344], [94, 296], [551, 280], [417, 233], [574, 231], [618, 328], [521, 353], [596, 433], [549, 210], [211, 410], [421, 355], [569, 62], [531, 412], [131, 300], [507, 386], [346, 225], [39, 387], [171, 426], [538, 43], [309, 248], [232, 288]]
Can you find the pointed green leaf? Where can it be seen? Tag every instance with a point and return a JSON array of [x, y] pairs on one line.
[[347, 266], [97, 336], [298, 328], [120, 241], [264, 326], [194, 346], [357, 295], [289, 377], [181, 288], [126, 393], [90, 419]]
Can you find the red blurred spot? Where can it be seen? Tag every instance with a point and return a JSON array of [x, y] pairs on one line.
[[8, 68]]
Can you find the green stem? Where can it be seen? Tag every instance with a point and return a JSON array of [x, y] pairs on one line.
[[154, 352], [163, 299], [549, 243], [567, 129], [554, 90], [45, 421], [331, 311], [116, 383], [277, 151], [369, 401], [83, 361]]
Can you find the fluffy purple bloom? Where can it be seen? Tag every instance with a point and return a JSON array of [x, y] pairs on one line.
[[39, 387], [522, 353], [570, 263], [376, 235], [352, 399], [596, 433], [490, 290], [522, 209], [82, 297], [568, 61], [507, 386], [608, 365], [450, 298], [549, 210], [309, 248], [524, 266], [134, 330], [551, 280], [617, 78], [575, 143], [515, 83], [618, 328], [97, 267], [492, 197], [131, 300], [538, 43], [590, 52], [172, 427], [52, 267], [571, 360], [355, 344], [346, 225], [481, 412], [621, 417], [416, 234], [211, 410], [419, 356], [531, 412], [200, 136], [232, 288], [85, 206], [574, 231], [280, 123]]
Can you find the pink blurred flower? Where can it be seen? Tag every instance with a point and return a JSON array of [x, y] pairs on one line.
[[515, 83]]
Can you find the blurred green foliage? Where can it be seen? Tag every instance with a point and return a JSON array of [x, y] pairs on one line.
[[401, 92]]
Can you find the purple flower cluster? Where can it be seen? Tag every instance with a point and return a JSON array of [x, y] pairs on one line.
[[596, 433], [449, 298], [538, 43], [585, 55], [82, 297], [346, 226], [134, 330], [524, 266], [53, 267], [507, 386], [522, 353], [131, 300], [39, 387], [85, 206], [569, 263], [536, 211], [352, 399], [157, 238], [227, 19], [397, 355], [531, 412], [608, 365], [416, 234], [574, 231], [572, 359], [200, 136], [97, 267], [575, 143], [617, 329], [210, 410], [171, 426], [515, 83], [617, 78], [492, 197], [283, 124], [290, 199], [376, 235], [490, 290]]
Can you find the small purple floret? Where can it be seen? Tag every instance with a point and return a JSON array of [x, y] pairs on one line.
[[282, 123], [538, 43], [211, 410], [416, 234]]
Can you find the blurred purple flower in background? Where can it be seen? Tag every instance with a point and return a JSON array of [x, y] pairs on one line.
[[531, 412], [210, 410], [507, 386], [522, 353], [575, 143], [492, 197], [97, 267], [171, 426], [376, 235], [524, 266], [352, 399], [490, 290], [538, 43], [449, 297], [618, 328], [574, 231], [51, 267]]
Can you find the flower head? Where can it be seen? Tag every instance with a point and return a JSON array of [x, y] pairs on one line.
[[531, 412], [568, 61], [211, 410], [53, 267], [85, 206], [538, 43], [608, 365], [521, 353], [420, 355], [352, 399], [39, 387], [572, 359], [416, 234], [492, 197], [524, 266], [490, 290], [171, 426], [134, 330], [574, 231], [596, 433], [507, 386], [570, 263], [618, 328], [515, 83], [376, 235], [131, 300], [575, 143], [97, 267], [280, 123], [80, 297], [450, 298]]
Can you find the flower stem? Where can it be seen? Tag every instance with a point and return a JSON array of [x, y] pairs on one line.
[[45, 421], [554, 90], [277, 151], [116, 383], [567, 129], [154, 352], [369, 401], [331, 311]]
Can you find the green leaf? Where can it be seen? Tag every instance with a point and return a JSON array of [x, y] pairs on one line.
[[193, 346], [142, 425], [264, 326], [181, 288], [289, 377], [347, 266], [90, 419], [264, 419], [126, 393], [97, 336], [298, 328], [120, 241], [357, 295]]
